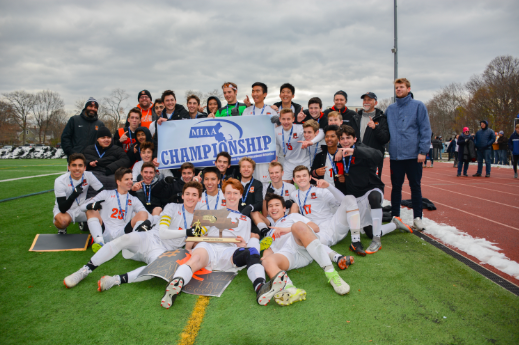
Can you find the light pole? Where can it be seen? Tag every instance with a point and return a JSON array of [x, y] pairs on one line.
[[395, 51]]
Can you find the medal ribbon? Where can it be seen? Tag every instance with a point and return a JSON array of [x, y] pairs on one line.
[[247, 193], [333, 163], [119, 202], [347, 169], [217, 199], [302, 206], [100, 155], [289, 138], [262, 109], [147, 192]]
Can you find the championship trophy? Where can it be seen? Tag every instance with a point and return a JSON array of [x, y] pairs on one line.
[[204, 219]]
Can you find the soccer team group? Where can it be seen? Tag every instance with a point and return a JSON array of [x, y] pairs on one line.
[[279, 227]]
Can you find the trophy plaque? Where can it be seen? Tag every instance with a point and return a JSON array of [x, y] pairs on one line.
[[209, 218]]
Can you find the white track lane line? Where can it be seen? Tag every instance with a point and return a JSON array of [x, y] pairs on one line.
[[21, 178], [469, 185], [487, 180]]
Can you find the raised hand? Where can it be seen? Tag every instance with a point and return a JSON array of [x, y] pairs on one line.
[[347, 151], [247, 101], [198, 178], [301, 116], [93, 164], [95, 206], [321, 171], [79, 188], [371, 124], [321, 183], [124, 137], [305, 143]]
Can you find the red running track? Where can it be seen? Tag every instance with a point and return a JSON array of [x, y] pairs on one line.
[[482, 207]]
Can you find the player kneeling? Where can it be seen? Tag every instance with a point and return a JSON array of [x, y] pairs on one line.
[[144, 244], [71, 190], [296, 245], [227, 256]]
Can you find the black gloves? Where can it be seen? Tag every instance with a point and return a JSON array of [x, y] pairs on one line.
[[288, 204], [246, 210], [169, 179], [196, 231], [95, 206], [270, 190], [275, 119], [144, 226], [78, 189]]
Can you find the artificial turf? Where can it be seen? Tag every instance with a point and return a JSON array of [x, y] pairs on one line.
[[408, 293]]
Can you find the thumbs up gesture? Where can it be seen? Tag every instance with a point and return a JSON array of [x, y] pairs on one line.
[[371, 124]]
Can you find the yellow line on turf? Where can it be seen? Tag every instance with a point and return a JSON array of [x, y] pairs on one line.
[[188, 335]]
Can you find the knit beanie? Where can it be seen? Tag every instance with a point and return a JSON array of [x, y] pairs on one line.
[[340, 92], [103, 132], [144, 92]]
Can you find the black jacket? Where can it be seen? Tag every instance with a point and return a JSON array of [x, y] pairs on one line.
[[114, 158], [347, 117], [135, 157], [320, 161], [79, 132], [255, 196], [169, 190], [436, 143], [155, 200], [297, 109], [375, 138], [309, 117]]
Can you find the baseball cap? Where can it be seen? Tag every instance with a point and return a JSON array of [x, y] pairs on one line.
[[370, 95], [466, 129]]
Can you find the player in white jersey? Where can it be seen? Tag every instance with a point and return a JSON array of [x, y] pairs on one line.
[[114, 209], [71, 190], [296, 245], [259, 92], [145, 244], [277, 186], [289, 140], [212, 198], [310, 131], [227, 256]]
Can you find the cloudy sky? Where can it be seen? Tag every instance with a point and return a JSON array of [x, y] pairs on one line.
[[88, 48]]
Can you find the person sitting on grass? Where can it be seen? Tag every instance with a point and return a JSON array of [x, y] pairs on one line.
[[224, 256], [71, 190], [145, 244]]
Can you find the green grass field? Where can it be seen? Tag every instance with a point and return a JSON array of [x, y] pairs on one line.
[[408, 293]]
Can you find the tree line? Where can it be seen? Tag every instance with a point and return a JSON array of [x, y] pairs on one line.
[[492, 96]]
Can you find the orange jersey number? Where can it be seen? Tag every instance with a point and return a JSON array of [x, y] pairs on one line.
[[116, 214]]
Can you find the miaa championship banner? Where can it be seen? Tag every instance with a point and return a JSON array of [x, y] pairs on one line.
[[199, 141]]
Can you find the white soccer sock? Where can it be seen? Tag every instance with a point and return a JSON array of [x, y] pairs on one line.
[[353, 218], [184, 272], [318, 253], [256, 271], [262, 226], [137, 224], [95, 227], [387, 228], [355, 236], [376, 217], [254, 243]]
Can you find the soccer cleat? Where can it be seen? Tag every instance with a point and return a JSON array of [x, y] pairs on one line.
[[357, 248], [345, 261], [62, 231], [290, 295], [339, 285], [375, 245], [417, 224], [265, 243], [107, 282], [74, 279], [172, 291], [268, 290], [98, 243], [401, 225]]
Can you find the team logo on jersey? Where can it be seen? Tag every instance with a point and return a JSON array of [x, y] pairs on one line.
[[97, 128], [243, 217], [313, 196], [295, 135], [252, 189], [224, 203], [179, 213], [130, 202], [85, 182], [287, 193], [376, 123]]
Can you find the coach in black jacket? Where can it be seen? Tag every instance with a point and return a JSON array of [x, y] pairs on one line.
[[81, 130], [104, 158]]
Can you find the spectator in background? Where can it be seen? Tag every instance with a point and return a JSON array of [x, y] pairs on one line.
[[513, 145], [485, 137], [410, 132], [81, 130], [103, 158], [494, 158], [465, 155], [126, 137], [503, 148], [430, 155], [146, 106], [437, 146], [339, 104], [456, 150]]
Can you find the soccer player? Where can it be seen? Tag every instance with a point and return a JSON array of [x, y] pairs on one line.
[[125, 137], [212, 197], [233, 107], [213, 104], [71, 190], [223, 163], [277, 186], [145, 189], [144, 244], [193, 104], [252, 198], [334, 118], [146, 153], [310, 131], [324, 165], [116, 215], [361, 181], [314, 112], [226, 256], [286, 93], [172, 112], [324, 203], [340, 99], [295, 246], [288, 141]]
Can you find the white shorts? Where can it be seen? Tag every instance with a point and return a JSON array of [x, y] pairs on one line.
[[297, 255], [112, 233], [261, 173], [334, 230], [150, 247], [75, 213], [219, 256], [365, 208]]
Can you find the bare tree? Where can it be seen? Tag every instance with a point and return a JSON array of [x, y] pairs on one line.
[[21, 103], [8, 127], [45, 104], [215, 93], [384, 103], [112, 107], [447, 109], [199, 94], [79, 106], [57, 122]]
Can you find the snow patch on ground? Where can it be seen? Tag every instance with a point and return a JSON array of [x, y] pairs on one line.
[[479, 248]]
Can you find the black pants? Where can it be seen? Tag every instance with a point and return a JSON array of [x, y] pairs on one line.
[[515, 158], [380, 169], [399, 170]]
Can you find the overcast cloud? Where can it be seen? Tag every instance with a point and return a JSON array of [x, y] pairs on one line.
[[83, 49]]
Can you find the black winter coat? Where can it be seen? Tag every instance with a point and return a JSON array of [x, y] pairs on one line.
[[155, 200], [80, 132], [136, 156], [375, 138], [113, 158], [297, 109], [255, 196], [347, 117], [320, 161], [170, 191]]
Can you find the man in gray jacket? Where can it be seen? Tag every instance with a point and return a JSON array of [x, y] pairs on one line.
[[410, 132]]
